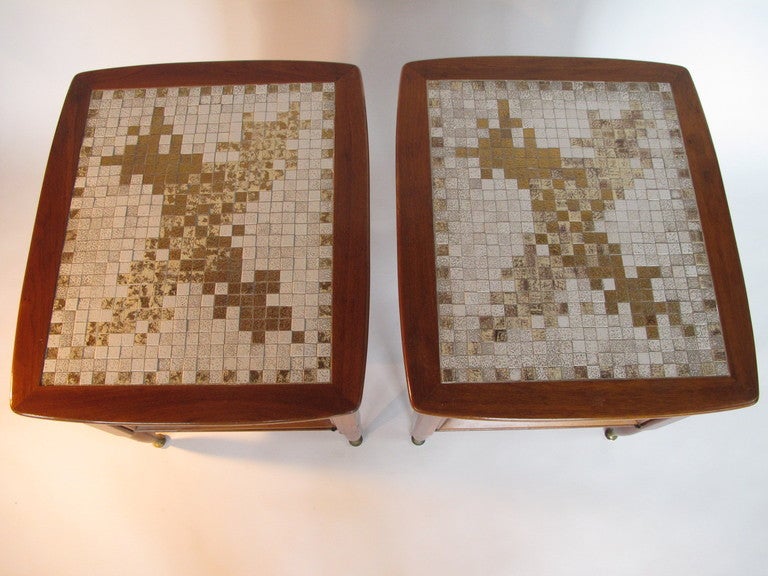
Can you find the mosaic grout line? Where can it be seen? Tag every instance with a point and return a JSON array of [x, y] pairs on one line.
[[200, 239], [567, 236]]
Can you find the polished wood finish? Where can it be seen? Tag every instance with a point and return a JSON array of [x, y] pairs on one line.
[[595, 400], [203, 405]]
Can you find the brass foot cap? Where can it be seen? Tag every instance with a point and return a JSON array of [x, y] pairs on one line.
[[417, 442], [611, 434], [356, 442], [160, 441]]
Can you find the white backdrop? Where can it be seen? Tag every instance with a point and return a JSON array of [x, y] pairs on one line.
[[688, 499]]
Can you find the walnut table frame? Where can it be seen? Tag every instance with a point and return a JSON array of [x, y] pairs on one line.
[[200, 257], [566, 257]]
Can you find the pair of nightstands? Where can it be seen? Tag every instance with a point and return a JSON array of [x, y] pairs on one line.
[[200, 259]]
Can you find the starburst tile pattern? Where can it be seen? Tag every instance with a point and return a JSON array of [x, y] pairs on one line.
[[200, 239], [567, 234]]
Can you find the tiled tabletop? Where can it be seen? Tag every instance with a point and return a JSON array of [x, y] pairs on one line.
[[568, 239], [200, 239]]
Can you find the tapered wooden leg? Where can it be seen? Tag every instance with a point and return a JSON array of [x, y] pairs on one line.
[[157, 440], [349, 425], [614, 432], [424, 426]]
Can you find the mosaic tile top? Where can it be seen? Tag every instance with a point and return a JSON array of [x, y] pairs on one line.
[[200, 239], [567, 235]]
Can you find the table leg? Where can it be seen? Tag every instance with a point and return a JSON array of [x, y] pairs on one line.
[[349, 425], [424, 426]]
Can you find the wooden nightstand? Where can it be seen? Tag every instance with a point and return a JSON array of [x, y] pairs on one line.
[[200, 258], [566, 257]]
